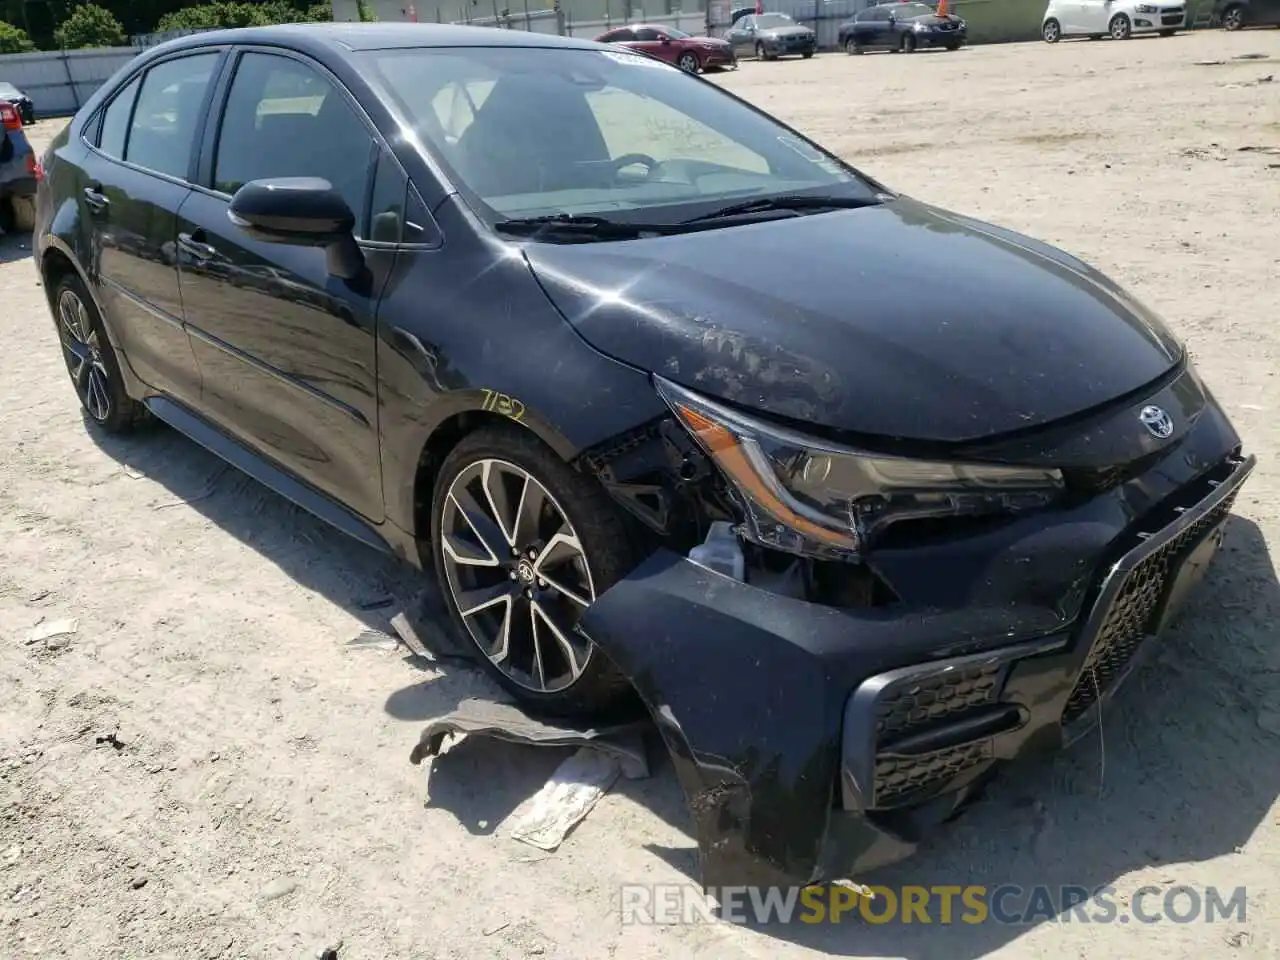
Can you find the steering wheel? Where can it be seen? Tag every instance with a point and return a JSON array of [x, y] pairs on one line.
[[630, 159]]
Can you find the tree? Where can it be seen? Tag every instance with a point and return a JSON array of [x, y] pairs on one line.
[[13, 40], [90, 26], [239, 13]]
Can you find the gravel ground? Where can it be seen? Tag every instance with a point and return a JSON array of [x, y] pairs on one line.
[[211, 767]]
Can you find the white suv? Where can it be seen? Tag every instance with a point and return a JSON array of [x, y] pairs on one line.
[[1119, 19]]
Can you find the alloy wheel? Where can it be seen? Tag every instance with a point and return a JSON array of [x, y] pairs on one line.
[[1051, 32], [1233, 19], [688, 63], [83, 353], [1119, 28], [518, 574]]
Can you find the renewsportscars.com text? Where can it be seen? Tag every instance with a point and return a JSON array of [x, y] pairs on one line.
[[668, 904]]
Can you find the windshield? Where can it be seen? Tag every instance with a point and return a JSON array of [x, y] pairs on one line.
[[767, 21], [905, 11], [9, 90], [527, 132]]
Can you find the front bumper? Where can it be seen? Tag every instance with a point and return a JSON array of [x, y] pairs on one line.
[[816, 743], [717, 57], [940, 38], [790, 48], [1165, 20]]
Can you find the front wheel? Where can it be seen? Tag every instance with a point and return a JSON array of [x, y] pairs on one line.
[[908, 44], [806, 55], [852, 47], [523, 544], [1051, 31], [1233, 18], [1120, 28], [688, 62]]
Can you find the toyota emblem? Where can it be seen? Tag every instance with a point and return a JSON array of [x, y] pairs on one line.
[[1158, 423]]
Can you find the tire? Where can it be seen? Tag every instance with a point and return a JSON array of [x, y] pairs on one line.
[[91, 362], [807, 55], [1051, 31], [1120, 28], [22, 211], [953, 47], [852, 47], [688, 62], [760, 54], [1233, 18], [907, 44], [589, 553]]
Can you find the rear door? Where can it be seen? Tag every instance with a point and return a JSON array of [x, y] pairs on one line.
[[134, 180], [286, 351]]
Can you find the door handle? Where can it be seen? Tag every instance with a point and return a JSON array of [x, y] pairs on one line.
[[95, 199], [192, 244]]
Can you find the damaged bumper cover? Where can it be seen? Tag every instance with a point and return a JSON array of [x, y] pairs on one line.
[[814, 743]]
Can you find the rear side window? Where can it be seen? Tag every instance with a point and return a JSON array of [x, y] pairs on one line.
[[115, 121], [167, 115], [284, 118]]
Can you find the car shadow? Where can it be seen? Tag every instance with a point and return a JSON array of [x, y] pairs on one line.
[[1183, 770]]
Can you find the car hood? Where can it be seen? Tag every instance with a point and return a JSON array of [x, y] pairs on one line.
[[931, 19], [899, 320], [783, 33]]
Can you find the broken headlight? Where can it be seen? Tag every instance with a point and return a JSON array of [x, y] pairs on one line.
[[814, 498]]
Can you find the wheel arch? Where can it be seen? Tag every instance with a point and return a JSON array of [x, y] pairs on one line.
[[471, 410]]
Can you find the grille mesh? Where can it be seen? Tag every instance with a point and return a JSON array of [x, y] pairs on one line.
[[1128, 620]]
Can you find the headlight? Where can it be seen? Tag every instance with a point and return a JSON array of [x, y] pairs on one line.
[[809, 497], [1145, 8]]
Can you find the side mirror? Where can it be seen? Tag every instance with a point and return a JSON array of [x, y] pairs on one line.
[[303, 211], [664, 39]]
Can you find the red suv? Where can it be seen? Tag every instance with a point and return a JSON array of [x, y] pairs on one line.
[[686, 51]]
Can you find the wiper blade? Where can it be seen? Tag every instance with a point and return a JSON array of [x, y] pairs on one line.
[[787, 202], [587, 226]]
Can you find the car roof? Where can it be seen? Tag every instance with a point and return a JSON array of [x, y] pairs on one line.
[[377, 36]]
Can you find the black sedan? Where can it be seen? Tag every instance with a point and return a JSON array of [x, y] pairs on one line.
[[1238, 14], [769, 36], [26, 109], [846, 550], [901, 26]]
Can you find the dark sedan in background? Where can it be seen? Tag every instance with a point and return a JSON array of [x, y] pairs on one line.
[[691, 54], [1238, 14], [18, 173], [902, 27], [26, 109], [771, 35]]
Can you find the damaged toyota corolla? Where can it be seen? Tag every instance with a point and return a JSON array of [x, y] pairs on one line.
[[852, 539]]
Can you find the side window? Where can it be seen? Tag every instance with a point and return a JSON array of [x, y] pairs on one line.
[[648, 33], [386, 206], [619, 36], [167, 114], [115, 121], [748, 23], [284, 118]]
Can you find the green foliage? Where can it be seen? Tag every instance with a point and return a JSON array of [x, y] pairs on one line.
[[13, 40], [238, 13], [366, 13], [90, 26]]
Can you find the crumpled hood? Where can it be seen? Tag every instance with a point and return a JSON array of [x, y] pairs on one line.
[[900, 320]]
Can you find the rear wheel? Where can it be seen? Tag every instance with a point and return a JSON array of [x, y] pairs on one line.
[[1233, 18], [522, 545], [1051, 31], [92, 364], [688, 62], [852, 47], [806, 55], [1120, 28]]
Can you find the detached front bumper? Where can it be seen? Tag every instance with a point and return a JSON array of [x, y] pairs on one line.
[[816, 743]]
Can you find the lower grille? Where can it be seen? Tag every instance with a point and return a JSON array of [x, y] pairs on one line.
[[900, 778], [1172, 19], [1128, 621], [920, 702]]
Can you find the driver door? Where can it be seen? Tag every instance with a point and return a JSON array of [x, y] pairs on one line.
[[1089, 16], [742, 35], [655, 44]]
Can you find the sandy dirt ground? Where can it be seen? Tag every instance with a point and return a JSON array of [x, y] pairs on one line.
[[210, 767]]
